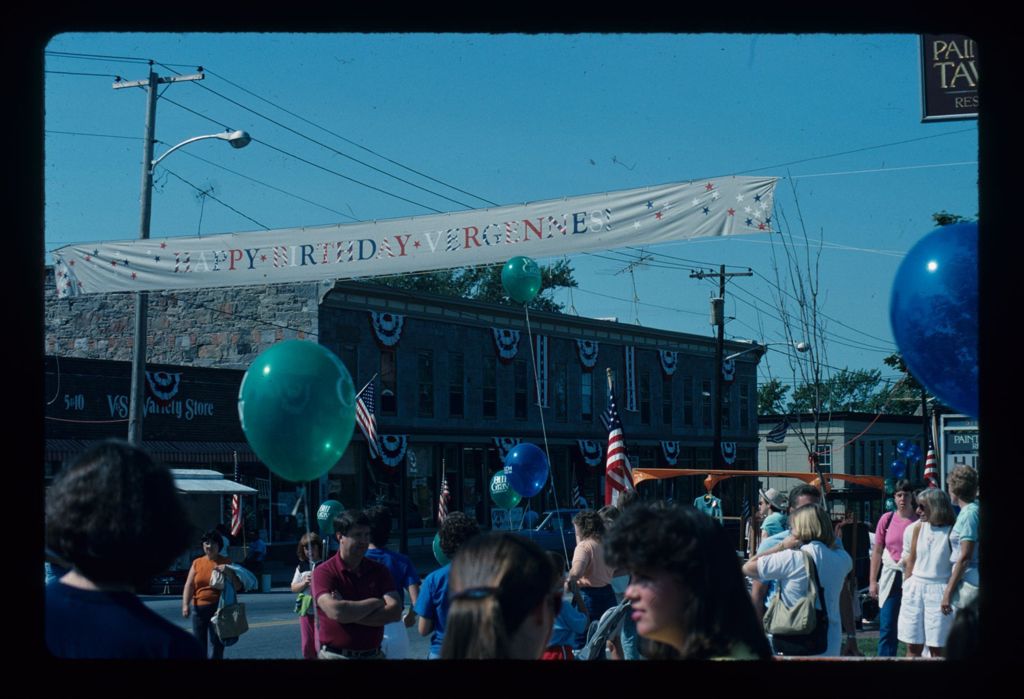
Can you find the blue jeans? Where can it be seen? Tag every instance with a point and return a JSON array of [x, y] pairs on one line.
[[888, 615], [598, 601], [630, 639], [202, 628]]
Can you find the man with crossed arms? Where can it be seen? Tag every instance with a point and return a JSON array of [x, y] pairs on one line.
[[356, 596]]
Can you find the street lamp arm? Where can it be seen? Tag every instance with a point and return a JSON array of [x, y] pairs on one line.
[[799, 346], [238, 139]]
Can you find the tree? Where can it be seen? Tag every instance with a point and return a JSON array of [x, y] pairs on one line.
[[860, 390], [771, 398], [484, 284]]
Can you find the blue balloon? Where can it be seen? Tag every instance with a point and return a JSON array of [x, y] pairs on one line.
[[914, 453], [902, 446], [898, 469], [933, 311], [526, 467]]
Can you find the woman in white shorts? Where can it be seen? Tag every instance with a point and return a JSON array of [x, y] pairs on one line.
[[921, 620]]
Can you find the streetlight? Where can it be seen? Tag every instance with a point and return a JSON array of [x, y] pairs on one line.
[[237, 139], [798, 346]]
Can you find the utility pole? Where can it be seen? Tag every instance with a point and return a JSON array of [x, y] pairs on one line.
[[138, 390], [718, 318]]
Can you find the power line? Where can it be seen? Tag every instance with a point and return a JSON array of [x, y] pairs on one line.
[[96, 57], [97, 135], [331, 148], [207, 194], [347, 140], [69, 72]]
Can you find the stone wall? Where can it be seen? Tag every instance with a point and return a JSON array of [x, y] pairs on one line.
[[223, 328]]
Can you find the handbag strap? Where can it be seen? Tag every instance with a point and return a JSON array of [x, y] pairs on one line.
[[818, 588]]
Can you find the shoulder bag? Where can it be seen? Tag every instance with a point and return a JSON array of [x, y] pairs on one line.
[[229, 620], [800, 629]]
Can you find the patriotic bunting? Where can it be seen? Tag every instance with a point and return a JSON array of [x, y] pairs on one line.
[[931, 468], [366, 419], [506, 342], [669, 360], [505, 445], [387, 328], [587, 350], [728, 369], [729, 452], [392, 449], [671, 452], [163, 385], [618, 477], [590, 449]]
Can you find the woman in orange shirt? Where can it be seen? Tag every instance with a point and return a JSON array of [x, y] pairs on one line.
[[200, 598]]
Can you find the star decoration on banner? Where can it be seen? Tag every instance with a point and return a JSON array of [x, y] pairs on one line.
[[71, 262], [760, 226], [636, 224], [650, 204], [757, 197], [88, 258], [749, 222], [113, 263], [416, 244], [732, 212], [696, 202], [95, 253], [739, 197], [715, 195], [156, 259], [706, 210], [263, 258], [658, 215], [125, 263], [708, 187], [163, 245], [134, 275]]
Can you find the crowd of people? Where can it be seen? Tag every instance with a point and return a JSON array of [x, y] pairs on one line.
[[114, 520]]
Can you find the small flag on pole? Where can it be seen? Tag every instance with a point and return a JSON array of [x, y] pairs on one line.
[[778, 433], [367, 420], [236, 505], [442, 501]]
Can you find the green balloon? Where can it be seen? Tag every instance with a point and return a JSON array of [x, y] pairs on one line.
[[502, 493], [438, 553], [521, 278], [890, 486], [890, 504], [297, 408], [329, 509]]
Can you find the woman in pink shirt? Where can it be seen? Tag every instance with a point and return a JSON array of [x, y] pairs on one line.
[[887, 588]]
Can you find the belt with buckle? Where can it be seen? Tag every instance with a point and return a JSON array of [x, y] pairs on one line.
[[344, 652]]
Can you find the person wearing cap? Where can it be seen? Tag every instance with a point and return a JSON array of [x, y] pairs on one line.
[[771, 508]]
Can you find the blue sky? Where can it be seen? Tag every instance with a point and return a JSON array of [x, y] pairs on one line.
[[513, 118]]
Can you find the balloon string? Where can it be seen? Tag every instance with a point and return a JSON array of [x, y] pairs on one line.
[[544, 431], [309, 557]]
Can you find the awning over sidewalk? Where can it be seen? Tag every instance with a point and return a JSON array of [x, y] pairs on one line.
[[172, 452], [195, 480]]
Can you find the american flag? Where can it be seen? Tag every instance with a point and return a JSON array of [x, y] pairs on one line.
[[577, 497], [236, 505], [442, 501], [367, 420], [778, 433], [617, 476], [931, 468]]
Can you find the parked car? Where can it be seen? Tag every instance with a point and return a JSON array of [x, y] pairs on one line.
[[548, 533]]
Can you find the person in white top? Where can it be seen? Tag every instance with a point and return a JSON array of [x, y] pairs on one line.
[[810, 531], [928, 568]]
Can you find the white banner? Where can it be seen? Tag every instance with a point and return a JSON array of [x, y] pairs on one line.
[[725, 206]]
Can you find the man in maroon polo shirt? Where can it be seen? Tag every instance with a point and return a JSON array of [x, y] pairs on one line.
[[356, 595]]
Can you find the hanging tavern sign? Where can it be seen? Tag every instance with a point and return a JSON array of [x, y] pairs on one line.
[[949, 77], [724, 206]]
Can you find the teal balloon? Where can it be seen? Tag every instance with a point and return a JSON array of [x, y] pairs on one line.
[[502, 493], [890, 504], [438, 553], [329, 509], [526, 467], [521, 279], [890, 486], [297, 408]]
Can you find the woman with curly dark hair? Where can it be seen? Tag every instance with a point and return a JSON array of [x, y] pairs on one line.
[[504, 595], [589, 571], [688, 597], [116, 518]]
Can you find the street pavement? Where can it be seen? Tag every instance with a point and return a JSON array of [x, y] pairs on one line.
[[273, 626]]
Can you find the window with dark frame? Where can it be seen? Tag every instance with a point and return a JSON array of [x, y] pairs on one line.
[[666, 400], [489, 384], [425, 383], [519, 399], [587, 396], [705, 403], [388, 382], [645, 398], [456, 385], [687, 400]]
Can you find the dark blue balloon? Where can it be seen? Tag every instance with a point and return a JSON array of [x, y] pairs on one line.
[[933, 311], [898, 469], [914, 453], [526, 467], [902, 446]]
